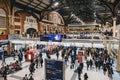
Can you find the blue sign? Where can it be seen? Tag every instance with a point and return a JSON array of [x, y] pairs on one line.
[[54, 70], [1, 53]]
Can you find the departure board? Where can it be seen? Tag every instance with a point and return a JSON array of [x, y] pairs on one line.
[[54, 70]]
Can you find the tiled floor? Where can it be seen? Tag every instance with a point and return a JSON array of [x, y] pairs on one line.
[[39, 74]]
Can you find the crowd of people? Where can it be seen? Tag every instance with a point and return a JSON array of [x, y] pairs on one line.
[[90, 58], [10, 68], [97, 58]]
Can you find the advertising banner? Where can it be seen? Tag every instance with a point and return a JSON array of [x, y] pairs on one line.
[[54, 70]]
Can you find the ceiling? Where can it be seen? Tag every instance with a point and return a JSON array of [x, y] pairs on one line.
[[73, 11]]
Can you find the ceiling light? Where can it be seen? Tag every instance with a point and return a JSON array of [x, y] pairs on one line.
[[56, 3]]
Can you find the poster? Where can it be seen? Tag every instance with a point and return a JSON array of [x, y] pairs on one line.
[[54, 70]]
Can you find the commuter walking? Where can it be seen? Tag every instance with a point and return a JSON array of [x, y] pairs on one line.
[[25, 77], [88, 63], [85, 76], [31, 68], [3, 59], [36, 61], [91, 63], [5, 74], [104, 69], [57, 54], [79, 71], [110, 73], [72, 63], [96, 65], [41, 61], [31, 78], [82, 65]]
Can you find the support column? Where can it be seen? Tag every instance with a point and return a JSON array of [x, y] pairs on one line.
[[10, 28], [104, 42], [109, 48], [11, 21], [118, 59], [92, 41], [114, 27]]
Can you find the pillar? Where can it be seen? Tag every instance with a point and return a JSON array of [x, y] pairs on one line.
[[92, 42], [118, 59], [109, 48], [114, 26], [11, 28], [40, 27], [104, 42]]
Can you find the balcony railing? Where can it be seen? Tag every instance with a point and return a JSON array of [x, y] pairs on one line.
[[67, 37]]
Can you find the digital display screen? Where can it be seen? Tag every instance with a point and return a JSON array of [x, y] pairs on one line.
[[51, 37]]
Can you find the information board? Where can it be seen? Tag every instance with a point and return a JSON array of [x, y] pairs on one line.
[[54, 70]]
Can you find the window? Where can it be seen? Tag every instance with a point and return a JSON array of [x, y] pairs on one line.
[[2, 18]]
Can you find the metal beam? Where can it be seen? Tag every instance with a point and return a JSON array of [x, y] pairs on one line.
[[12, 3], [39, 5], [110, 6], [21, 6], [27, 3]]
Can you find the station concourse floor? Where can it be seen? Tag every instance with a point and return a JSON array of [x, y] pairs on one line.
[[69, 73]]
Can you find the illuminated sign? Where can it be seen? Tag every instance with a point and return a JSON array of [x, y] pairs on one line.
[[54, 70]]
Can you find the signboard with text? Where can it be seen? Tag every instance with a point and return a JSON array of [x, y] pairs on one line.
[[54, 70], [3, 37]]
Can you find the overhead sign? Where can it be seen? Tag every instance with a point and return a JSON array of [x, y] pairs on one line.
[[54, 70]]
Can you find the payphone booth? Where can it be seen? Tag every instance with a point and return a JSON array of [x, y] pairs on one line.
[[30, 55]]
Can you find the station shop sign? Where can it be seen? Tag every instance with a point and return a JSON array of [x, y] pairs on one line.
[[14, 36], [54, 70], [3, 37]]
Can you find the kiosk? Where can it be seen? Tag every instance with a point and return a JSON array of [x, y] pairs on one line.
[[31, 54]]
